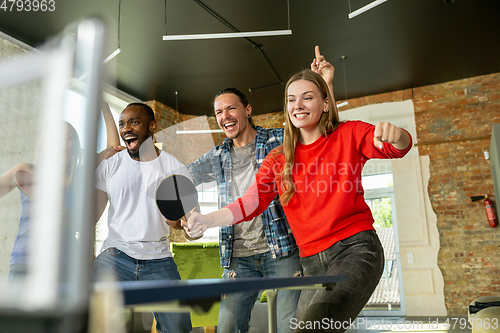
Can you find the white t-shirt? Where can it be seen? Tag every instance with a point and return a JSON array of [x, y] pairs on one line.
[[135, 223]]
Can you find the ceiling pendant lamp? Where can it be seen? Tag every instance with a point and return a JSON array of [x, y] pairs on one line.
[[344, 103], [108, 58], [364, 8], [229, 34]]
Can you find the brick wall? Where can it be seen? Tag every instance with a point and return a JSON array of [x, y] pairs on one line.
[[453, 122], [186, 147]]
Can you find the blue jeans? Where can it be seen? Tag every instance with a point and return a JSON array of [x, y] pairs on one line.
[[18, 271], [236, 308], [359, 257], [124, 268]]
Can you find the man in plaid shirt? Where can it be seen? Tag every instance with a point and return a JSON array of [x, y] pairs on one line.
[[264, 247]]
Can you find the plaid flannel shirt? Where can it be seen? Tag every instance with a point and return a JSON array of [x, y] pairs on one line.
[[216, 166]]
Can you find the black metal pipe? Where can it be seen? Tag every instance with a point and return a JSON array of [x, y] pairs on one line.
[[255, 45]]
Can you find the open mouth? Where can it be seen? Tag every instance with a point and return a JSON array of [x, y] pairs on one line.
[[230, 125], [131, 141]]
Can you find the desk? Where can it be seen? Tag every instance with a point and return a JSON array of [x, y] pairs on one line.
[[182, 295]]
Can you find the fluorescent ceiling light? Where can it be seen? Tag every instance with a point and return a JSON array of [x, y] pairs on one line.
[[229, 35], [365, 8], [198, 131], [342, 104], [111, 56]]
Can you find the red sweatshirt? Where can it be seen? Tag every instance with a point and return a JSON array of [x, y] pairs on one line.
[[328, 204]]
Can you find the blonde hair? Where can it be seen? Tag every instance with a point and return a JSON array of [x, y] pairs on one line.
[[328, 122]]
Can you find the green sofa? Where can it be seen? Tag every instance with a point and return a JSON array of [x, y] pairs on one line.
[[199, 261]]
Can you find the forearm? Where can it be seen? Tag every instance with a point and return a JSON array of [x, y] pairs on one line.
[[174, 224], [202, 170], [219, 218], [7, 183], [112, 137]]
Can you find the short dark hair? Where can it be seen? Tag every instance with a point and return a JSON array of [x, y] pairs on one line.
[[243, 99], [149, 111]]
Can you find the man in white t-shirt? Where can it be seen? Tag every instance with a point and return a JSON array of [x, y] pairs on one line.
[[137, 247]]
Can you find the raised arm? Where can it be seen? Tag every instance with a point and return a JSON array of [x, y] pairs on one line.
[[325, 69], [112, 137]]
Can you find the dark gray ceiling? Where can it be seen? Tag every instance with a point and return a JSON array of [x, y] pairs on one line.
[[396, 45]]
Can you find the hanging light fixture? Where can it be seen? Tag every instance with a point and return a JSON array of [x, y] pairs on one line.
[[118, 50], [108, 58], [230, 34], [176, 102], [344, 103], [198, 131], [364, 8]]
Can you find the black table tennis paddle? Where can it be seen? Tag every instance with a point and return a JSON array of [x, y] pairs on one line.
[[176, 196]]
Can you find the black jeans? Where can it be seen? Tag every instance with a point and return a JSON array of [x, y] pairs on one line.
[[359, 257]]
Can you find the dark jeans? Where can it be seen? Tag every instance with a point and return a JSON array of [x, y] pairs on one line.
[[124, 268], [236, 308], [359, 257]]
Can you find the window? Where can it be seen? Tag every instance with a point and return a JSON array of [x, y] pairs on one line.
[[387, 299], [208, 199]]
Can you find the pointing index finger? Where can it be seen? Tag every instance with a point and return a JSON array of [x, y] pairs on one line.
[[316, 51]]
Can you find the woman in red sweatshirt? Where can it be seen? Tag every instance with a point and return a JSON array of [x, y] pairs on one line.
[[317, 175]]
